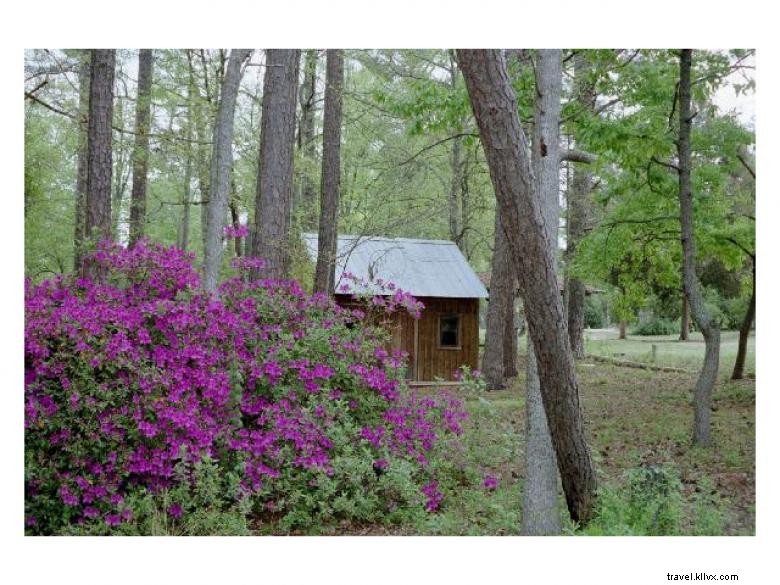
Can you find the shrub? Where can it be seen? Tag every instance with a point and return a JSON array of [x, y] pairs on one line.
[[138, 384], [595, 310], [656, 326]]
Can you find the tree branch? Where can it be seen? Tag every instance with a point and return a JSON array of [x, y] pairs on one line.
[[580, 156]]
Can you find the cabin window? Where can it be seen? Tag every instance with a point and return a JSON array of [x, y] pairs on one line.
[[449, 331]]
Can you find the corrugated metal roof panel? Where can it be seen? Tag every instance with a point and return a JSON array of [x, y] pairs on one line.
[[425, 268]]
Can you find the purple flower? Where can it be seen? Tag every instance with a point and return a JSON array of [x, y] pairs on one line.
[[113, 519], [490, 483], [175, 511], [433, 495]]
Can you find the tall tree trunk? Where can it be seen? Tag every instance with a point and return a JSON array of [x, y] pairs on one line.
[[183, 236], [118, 161], [99, 158], [501, 293], [522, 215], [275, 166], [235, 216], [540, 490], [81, 165], [325, 271], [201, 120], [306, 143], [744, 331], [453, 196], [622, 330], [221, 164], [685, 318], [510, 337], [702, 398], [578, 213], [143, 113]]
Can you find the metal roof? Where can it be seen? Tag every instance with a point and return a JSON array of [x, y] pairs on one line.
[[424, 268]]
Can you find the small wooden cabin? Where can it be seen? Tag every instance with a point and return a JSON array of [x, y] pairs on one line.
[[436, 273]]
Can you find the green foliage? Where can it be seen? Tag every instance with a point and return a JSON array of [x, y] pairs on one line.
[[656, 326], [596, 308]]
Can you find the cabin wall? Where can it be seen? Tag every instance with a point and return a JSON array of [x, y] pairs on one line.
[[436, 361], [420, 338]]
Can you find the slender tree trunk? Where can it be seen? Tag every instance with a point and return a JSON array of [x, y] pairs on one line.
[[221, 164], [744, 332], [141, 150], [453, 195], [685, 319], [306, 143], [510, 337], [702, 397], [81, 166], [540, 490], [501, 285], [622, 330], [578, 213], [99, 159], [201, 121], [325, 271], [235, 216], [275, 167], [118, 161], [522, 215], [183, 237]]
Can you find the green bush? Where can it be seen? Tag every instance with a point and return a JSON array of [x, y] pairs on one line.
[[657, 326], [595, 312]]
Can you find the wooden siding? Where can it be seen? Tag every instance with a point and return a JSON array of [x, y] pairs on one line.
[[433, 361]]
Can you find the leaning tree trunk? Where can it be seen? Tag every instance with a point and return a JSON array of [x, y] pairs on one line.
[[99, 159], [81, 165], [744, 331], [540, 490], [501, 287], [221, 164], [702, 398], [325, 271], [522, 214], [578, 213], [141, 150], [275, 166]]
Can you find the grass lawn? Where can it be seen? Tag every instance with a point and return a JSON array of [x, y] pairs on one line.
[[669, 350]]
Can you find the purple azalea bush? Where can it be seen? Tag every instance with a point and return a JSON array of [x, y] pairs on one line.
[[134, 381]]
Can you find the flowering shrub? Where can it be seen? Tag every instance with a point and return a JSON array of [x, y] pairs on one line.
[[470, 379], [132, 382]]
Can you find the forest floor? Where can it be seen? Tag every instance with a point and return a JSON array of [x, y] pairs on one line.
[[634, 418]]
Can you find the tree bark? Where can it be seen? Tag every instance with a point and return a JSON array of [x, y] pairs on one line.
[[744, 331], [306, 142], [99, 159], [81, 165], [622, 330], [183, 236], [221, 164], [522, 215], [325, 271], [540, 490], [685, 319], [501, 285], [510, 337], [578, 212], [453, 195], [702, 397], [141, 150], [275, 166]]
